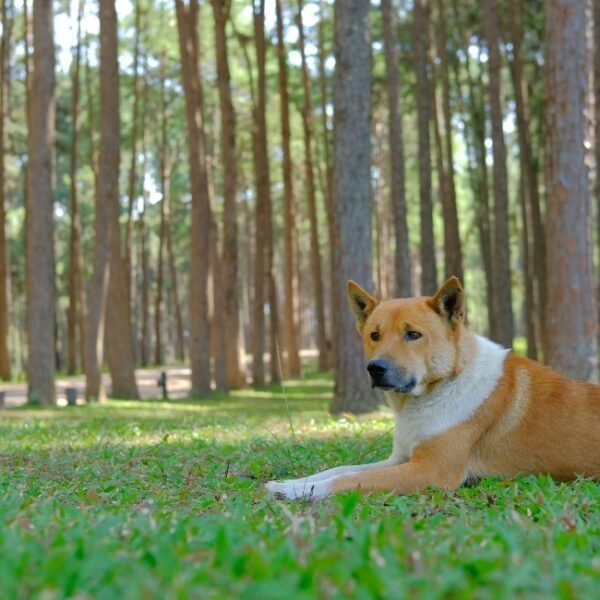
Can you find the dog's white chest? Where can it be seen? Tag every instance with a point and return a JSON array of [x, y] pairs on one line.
[[451, 403]]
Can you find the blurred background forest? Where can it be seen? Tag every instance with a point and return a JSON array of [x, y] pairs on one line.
[[194, 182]]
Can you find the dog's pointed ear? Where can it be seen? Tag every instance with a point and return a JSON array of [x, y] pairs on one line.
[[361, 303], [449, 301]]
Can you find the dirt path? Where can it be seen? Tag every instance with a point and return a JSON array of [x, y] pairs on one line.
[[178, 384]]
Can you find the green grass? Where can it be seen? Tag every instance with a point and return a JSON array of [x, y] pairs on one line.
[[165, 500]]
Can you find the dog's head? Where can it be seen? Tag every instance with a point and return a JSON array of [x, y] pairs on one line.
[[410, 343]]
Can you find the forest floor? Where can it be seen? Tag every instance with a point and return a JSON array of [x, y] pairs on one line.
[[166, 500]]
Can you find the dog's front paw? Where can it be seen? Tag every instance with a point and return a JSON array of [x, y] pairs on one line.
[[297, 489]]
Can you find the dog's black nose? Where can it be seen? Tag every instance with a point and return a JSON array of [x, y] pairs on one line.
[[377, 368]]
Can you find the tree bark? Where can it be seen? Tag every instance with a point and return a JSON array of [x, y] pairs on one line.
[[442, 191], [402, 262], [481, 188], [352, 196], [596, 15], [187, 24], [530, 205], [264, 277], [235, 377], [380, 159], [175, 291], [502, 302], [144, 251], [145, 286], [165, 185], [328, 174], [453, 264], [256, 258], [7, 24], [315, 255], [118, 335], [571, 327], [133, 182], [217, 303], [421, 44], [528, 275], [215, 286], [75, 322], [290, 240], [473, 113], [102, 163], [39, 213]]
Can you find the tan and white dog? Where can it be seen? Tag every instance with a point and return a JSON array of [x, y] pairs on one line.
[[464, 407]]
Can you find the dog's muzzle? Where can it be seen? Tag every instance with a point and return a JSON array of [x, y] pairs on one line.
[[386, 376]]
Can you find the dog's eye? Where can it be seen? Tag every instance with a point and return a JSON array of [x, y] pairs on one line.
[[411, 336], [375, 335]]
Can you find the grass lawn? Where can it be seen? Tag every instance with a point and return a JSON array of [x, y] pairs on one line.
[[165, 500]]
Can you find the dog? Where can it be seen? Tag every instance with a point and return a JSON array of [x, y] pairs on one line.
[[464, 407]]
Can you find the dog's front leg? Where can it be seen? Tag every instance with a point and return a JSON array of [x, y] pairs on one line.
[[316, 486], [439, 462], [408, 478], [430, 465]]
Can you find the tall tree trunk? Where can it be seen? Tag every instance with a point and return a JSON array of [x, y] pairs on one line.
[[352, 197], [596, 6], [235, 377], [20, 293], [165, 185], [379, 160], [39, 213], [328, 175], [571, 327], [481, 188], [452, 245], [174, 287], [7, 24], [264, 276], [443, 192], [421, 44], [315, 255], [145, 286], [118, 335], [258, 307], [102, 163], [144, 252], [133, 182], [76, 298], [290, 240], [530, 209], [247, 241], [216, 291], [257, 257], [502, 303], [528, 275], [28, 95], [402, 263], [187, 24], [218, 345]]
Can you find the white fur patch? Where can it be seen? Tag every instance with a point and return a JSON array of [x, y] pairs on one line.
[[316, 487], [515, 412], [451, 402]]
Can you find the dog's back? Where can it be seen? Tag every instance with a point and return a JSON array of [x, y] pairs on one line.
[[540, 422]]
